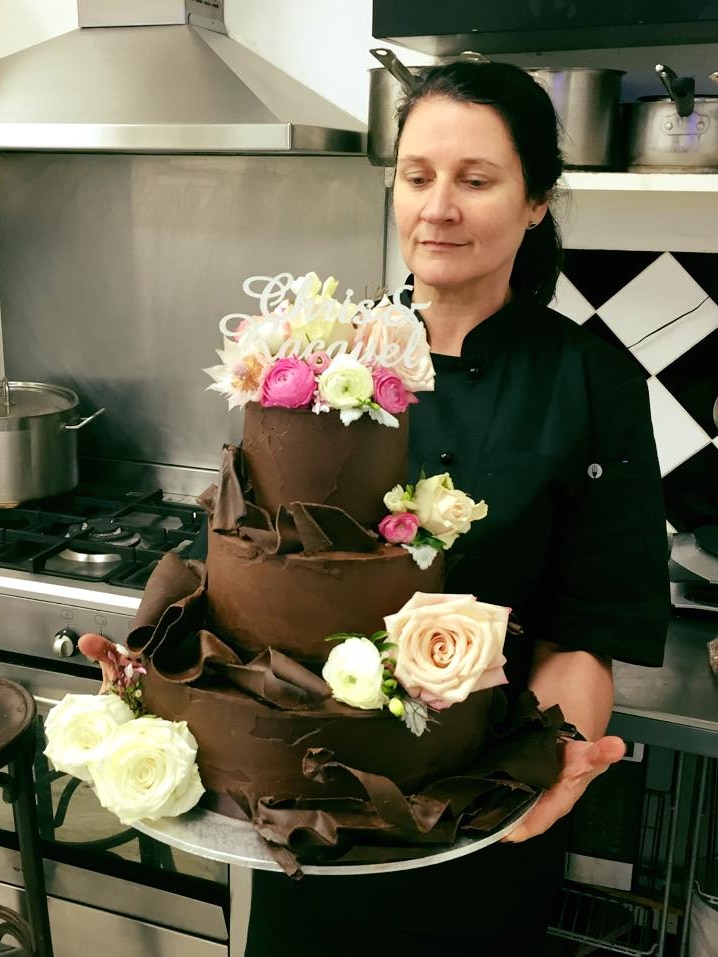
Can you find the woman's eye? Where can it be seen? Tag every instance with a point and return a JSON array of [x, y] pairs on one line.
[[416, 179], [475, 183]]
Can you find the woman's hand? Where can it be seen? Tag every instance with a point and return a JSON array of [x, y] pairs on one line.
[[582, 761]]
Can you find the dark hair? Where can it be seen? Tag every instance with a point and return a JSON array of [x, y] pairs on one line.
[[531, 120]]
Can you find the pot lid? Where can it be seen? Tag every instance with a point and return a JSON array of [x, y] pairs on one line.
[[21, 400]]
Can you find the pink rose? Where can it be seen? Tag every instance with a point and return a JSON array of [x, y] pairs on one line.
[[289, 383], [399, 529], [390, 392], [447, 647]]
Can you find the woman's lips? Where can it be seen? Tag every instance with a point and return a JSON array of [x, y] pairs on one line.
[[440, 245]]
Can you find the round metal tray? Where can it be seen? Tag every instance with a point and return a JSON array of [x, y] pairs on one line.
[[220, 838]]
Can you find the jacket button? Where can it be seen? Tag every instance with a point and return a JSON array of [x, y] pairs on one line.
[[447, 458], [475, 372]]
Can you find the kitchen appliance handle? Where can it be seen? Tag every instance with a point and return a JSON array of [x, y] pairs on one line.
[[83, 422]]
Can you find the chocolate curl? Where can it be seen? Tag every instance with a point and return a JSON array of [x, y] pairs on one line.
[[229, 503], [324, 528], [178, 619], [410, 815], [279, 680], [524, 746], [171, 580], [280, 538]]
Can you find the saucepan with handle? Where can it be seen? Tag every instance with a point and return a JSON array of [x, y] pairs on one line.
[[38, 440], [388, 85], [673, 133]]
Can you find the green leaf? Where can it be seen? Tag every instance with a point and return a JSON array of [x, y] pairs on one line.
[[423, 537], [378, 636], [343, 635]]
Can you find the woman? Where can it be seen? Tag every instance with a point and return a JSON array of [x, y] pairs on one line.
[[551, 426]]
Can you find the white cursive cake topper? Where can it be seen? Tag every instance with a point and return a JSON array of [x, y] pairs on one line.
[[306, 350], [288, 302]]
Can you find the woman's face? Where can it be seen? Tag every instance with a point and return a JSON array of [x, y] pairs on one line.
[[460, 200]]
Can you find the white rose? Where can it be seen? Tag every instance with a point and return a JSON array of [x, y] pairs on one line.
[[148, 771], [345, 384], [396, 339], [448, 646], [78, 727], [445, 511], [354, 671]]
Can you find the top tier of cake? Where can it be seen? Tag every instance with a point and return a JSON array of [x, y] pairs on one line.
[[293, 455]]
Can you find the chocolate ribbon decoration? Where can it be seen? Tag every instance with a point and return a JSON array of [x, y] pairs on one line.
[[301, 526]]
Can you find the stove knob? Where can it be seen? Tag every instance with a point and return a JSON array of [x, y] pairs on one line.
[[64, 643]]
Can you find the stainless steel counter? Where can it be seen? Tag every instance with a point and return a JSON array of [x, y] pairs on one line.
[[675, 706]]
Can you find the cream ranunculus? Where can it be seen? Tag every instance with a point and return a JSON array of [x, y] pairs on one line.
[[78, 727], [398, 500], [346, 383], [447, 647], [445, 511], [354, 671], [148, 771]]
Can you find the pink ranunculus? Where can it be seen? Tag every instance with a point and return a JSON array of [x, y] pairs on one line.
[[399, 528], [289, 383], [390, 392], [318, 362]]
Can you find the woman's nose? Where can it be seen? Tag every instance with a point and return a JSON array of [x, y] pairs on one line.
[[440, 205]]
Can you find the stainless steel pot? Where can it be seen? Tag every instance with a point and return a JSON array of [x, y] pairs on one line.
[[675, 132], [659, 139], [388, 84], [586, 101], [38, 440]]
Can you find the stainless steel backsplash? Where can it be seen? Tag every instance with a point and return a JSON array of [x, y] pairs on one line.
[[115, 271]]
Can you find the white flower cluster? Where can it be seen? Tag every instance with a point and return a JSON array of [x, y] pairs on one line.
[[140, 768]]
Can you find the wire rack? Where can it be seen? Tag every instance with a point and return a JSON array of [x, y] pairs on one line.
[[706, 883], [622, 922]]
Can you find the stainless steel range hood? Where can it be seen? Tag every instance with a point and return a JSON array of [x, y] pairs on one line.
[[168, 87]]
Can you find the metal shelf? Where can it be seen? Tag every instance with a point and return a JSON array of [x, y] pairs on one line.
[[684, 182], [628, 922]]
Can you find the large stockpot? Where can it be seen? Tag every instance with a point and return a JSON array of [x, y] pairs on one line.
[[586, 101], [38, 441], [659, 139]]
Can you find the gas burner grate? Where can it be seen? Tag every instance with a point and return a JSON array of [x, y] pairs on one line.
[[50, 537]]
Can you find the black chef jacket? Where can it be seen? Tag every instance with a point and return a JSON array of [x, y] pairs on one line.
[[551, 426]]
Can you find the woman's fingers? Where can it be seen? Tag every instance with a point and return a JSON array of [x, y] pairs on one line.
[[582, 762]]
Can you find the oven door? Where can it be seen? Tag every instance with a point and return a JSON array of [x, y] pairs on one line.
[[92, 860]]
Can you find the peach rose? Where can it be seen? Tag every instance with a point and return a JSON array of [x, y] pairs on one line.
[[397, 340], [447, 647]]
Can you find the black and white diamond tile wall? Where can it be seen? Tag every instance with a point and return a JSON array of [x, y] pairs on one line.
[[662, 310]]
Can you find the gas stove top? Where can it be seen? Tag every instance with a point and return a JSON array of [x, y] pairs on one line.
[[78, 563], [90, 536]]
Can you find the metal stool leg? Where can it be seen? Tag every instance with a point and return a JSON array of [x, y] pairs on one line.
[[26, 826]]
